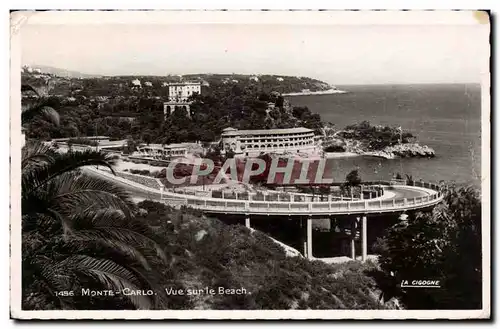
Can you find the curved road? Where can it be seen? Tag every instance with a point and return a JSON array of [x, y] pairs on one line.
[[403, 198]]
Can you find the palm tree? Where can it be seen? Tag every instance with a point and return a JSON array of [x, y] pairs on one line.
[[79, 232], [38, 108]]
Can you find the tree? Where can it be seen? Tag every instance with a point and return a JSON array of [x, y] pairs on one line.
[[443, 245], [353, 178], [131, 146], [79, 232]]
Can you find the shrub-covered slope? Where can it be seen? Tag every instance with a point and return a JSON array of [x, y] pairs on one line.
[[208, 254]]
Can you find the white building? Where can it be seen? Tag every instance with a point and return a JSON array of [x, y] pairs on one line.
[[178, 95], [162, 152], [148, 84], [183, 90], [136, 83], [253, 142]]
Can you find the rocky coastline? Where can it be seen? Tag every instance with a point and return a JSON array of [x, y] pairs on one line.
[[365, 139], [411, 150], [350, 148]]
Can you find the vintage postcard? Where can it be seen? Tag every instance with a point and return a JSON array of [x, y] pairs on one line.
[[250, 165]]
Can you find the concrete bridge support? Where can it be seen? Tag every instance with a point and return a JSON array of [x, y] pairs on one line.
[[363, 237], [247, 221], [306, 233], [309, 238], [364, 242], [353, 237]]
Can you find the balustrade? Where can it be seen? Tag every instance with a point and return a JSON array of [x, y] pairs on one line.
[[287, 202]]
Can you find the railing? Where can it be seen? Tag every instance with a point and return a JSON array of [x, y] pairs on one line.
[[292, 206], [299, 207], [272, 196]]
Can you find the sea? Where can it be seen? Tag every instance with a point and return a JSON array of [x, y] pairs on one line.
[[446, 117]]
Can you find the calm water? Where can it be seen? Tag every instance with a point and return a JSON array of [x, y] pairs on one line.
[[444, 117]]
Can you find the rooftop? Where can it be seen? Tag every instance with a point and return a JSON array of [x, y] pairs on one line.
[[79, 137], [166, 146], [235, 132], [184, 83]]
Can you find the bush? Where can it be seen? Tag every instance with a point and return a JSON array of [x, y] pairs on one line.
[[443, 245], [143, 172], [208, 253], [334, 148]]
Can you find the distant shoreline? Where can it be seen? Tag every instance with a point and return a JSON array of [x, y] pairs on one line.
[[321, 92], [339, 155]]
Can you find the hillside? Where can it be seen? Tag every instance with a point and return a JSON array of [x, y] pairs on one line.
[[95, 105], [205, 252], [266, 83], [63, 73]]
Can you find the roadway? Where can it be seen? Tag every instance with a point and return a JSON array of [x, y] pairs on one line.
[[402, 198]]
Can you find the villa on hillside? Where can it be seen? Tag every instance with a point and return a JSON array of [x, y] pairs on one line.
[[178, 95], [253, 142]]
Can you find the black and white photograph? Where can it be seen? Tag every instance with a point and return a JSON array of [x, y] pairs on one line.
[[250, 164]]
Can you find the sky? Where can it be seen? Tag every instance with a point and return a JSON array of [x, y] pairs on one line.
[[338, 54]]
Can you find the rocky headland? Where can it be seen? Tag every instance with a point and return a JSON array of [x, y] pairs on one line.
[[379, 141]]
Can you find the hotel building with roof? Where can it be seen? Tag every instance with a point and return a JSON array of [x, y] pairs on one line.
[[254, 142]]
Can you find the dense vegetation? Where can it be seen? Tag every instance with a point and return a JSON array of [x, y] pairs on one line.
[[443, 245], [79, 232], [208, 253], [114, 107]]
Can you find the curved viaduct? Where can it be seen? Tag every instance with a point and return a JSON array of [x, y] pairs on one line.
[[397, 198]]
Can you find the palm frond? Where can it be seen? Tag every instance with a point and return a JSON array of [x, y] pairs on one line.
[[46, 112], [37, 154], [76, 193], [96, 239], [110, 275], [26, 87], [52, 279], [59, 163], [81, 191], [114, 225]]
